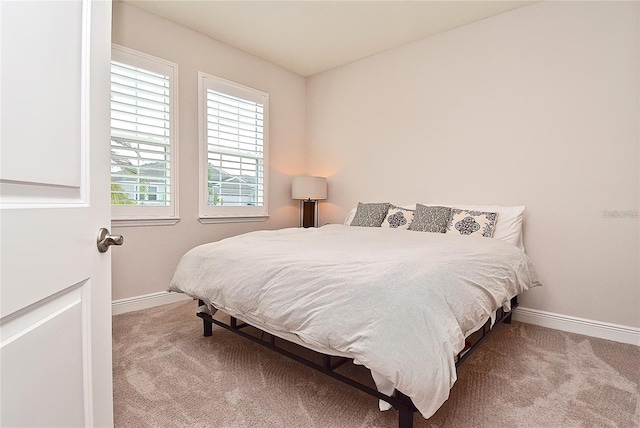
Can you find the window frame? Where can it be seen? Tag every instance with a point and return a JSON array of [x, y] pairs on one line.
[[137, 215], [229, 214]]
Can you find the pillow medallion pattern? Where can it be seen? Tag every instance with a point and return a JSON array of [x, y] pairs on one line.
[[476, 223], [398, 218], [430, 219], [467, 226], [370, 215]]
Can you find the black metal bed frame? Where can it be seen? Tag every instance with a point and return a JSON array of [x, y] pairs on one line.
[[398, 400]]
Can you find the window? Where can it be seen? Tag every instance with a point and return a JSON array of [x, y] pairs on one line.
[[233, 150], [143, 138]]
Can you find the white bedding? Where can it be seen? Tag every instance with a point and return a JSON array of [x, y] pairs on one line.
[[398, 302]]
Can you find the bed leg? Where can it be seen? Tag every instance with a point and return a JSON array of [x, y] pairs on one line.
[[406, 409], [208, 328], [507, 320], [405, 418], [514, 304]]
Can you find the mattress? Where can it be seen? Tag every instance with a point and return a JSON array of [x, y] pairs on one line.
[[398, 302]]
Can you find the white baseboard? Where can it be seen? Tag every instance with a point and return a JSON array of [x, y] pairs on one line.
[[147, 301], [602, 330]]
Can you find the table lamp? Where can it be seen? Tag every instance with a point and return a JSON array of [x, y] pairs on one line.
[[309, 190]]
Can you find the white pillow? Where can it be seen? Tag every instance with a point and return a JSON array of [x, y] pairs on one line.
[[350, 216]]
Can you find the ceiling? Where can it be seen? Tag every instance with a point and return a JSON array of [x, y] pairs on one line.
[[309, 37]]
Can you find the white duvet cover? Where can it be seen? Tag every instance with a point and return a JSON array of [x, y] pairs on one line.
[[398, 302]]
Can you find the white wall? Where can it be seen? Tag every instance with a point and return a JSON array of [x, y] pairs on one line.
[[145, 263], [537, 106]]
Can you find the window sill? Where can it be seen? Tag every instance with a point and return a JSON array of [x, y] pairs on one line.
[[134, 222], [232, 219]]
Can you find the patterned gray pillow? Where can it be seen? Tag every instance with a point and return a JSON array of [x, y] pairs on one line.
[[430, 219], [370, 215]]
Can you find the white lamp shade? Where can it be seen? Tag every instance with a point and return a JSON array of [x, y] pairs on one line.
[[313, 188]]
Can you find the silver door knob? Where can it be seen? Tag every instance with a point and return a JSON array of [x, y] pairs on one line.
[[105, 239]]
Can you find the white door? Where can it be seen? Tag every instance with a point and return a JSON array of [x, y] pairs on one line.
[[55, 290]]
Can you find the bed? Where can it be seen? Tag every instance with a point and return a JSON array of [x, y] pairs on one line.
[[399, 302]]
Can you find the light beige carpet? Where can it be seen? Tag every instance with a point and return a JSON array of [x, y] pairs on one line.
[[166, 374]]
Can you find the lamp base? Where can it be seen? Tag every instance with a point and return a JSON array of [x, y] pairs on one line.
[[308, 213]]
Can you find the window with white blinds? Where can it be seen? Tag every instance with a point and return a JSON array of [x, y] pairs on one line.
[[143, 140], [233, 122]]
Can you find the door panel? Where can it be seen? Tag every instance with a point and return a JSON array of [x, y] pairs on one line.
[[42, 257], [29, 337], [55, 311], [53, 70]]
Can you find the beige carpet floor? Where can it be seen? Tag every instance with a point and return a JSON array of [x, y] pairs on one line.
[[166, 374]]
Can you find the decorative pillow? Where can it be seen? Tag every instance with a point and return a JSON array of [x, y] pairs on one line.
[[398, 218], [430, 219], [370, 215], [477, 223], [509, 228]]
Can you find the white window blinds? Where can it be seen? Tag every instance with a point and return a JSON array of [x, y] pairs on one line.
[[234, 122], [234, 150], [144, 117], [140, 137]]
